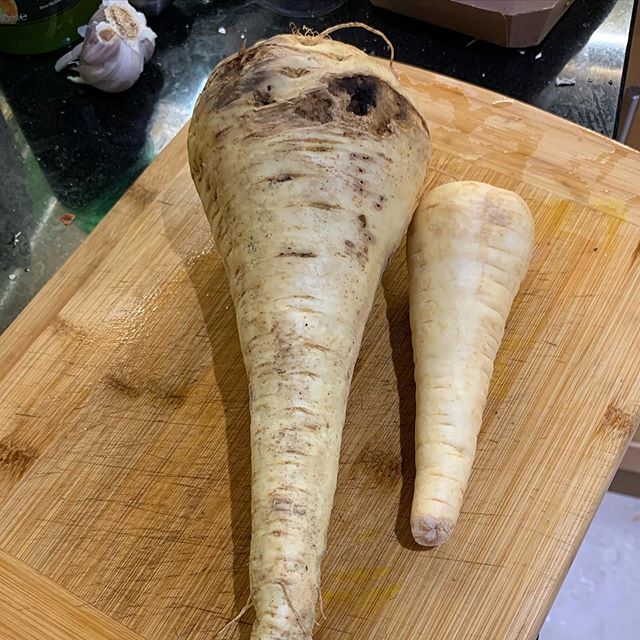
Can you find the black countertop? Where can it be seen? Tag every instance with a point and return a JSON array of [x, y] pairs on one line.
[[66, 148]]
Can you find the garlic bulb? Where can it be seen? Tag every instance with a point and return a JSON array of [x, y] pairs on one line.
[[117, 44]]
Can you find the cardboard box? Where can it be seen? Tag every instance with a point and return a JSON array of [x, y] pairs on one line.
[[509, 23]]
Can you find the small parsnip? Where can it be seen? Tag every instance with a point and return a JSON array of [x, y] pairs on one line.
[[468, 249]]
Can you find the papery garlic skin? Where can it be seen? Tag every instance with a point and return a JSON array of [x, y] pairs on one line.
[[116, 47], [131, 25]]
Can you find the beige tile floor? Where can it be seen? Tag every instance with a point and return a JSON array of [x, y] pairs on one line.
[[599, 599]]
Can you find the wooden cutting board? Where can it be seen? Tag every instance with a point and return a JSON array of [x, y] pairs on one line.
[[124, 450]]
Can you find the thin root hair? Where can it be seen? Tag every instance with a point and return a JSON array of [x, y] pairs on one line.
[[366, 27], [307, 632], [235, 619]]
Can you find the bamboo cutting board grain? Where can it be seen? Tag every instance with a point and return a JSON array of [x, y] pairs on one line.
[[124, 454]]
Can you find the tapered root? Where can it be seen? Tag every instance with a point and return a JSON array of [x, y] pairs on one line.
[[468, 249], [309, 158], [430, 532]]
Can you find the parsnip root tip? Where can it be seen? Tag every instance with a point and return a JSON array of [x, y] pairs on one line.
[[431, 532]]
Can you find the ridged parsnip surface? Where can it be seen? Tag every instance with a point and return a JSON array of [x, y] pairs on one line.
[[468, 249], [309, 159]]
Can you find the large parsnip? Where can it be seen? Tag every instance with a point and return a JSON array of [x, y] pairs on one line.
[[468, 250], [309, 159]]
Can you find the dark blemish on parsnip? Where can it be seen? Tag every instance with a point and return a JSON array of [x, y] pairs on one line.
[[327, 206], [285, 177], [293, 72], [231, 82], [363, 220], [222, 132], [358, 103], [315, 106], [378, 107], [262, 98], [317, 347], [359, 251], [297, 254], [363, 91], [287, 506]]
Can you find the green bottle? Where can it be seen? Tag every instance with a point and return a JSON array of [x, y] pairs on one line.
[[37, 26]]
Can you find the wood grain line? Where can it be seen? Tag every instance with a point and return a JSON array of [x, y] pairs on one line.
[[32, 606]]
